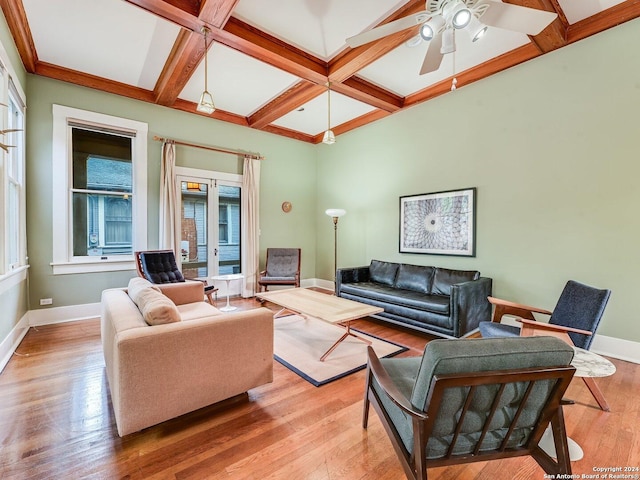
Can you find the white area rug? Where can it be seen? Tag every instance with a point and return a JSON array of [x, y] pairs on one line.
[[299, 343]]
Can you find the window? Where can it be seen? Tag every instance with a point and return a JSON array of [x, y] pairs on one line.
[[99, 189], [12, 176]]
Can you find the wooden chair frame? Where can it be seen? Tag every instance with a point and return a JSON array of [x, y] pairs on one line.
[[531, 327], [208, 292], [265, 284], [415, 466]]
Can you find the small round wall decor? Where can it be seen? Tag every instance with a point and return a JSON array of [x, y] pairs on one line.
[[286, 207]]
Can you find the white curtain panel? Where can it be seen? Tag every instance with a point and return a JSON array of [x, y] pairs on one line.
[[251, 224], [168, 199]]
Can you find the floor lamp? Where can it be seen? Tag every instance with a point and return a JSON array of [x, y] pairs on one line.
[[335, 213]]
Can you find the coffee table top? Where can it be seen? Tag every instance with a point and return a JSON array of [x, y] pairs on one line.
[[320, 305]]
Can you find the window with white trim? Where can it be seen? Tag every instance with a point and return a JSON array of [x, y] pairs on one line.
[[99, 191], [12, 176]]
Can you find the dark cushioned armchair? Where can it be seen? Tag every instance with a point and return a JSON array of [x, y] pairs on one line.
[[159, 266], [282, 268], [575, 319], [473, 400]]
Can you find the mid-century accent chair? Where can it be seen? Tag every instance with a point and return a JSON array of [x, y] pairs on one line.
[[473, 400], [574, 320], [159, 266], [282, 268]]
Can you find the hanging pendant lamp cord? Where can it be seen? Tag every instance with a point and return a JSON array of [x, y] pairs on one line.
[[329, 106], [206, 82]]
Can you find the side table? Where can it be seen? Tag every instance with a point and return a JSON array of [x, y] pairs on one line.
[[588, 365], [228, 278]]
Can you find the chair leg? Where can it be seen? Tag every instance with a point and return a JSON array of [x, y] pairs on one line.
[[365, 409], [597, 393]]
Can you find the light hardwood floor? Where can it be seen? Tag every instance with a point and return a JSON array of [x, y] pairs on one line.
[[56, 423]]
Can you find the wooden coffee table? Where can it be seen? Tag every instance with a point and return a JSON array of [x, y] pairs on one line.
[[328, 308]]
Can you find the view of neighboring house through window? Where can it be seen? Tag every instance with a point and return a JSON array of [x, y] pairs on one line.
[[102, 193], [99, 184]]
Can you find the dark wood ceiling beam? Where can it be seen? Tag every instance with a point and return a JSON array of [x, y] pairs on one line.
[[495, 65], [17, 20], [86, 80], [353, 124], [217, 12], [366, 92], [185, 56], [188, 50], [190, 107], [175, 12], [352, 60], [296, 96], [616, 15], [286, 132], [260, 45], [555, 35]]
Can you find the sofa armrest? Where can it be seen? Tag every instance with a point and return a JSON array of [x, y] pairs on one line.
[[189, 364], [469, 305], [189, 291], [351, 275]]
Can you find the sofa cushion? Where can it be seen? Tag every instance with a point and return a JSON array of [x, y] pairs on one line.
[[414, 277], [394, 296], [444, 278], [136, 285], [383, 272], [156, 308]]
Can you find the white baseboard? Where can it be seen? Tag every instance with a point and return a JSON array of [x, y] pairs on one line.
[[616, 348], [11, 342], [71, 313]]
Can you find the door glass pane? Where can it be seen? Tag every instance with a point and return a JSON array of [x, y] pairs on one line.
[[193, 245], [229, 229]]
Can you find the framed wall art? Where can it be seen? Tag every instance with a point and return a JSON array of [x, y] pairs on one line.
[[440, 223]]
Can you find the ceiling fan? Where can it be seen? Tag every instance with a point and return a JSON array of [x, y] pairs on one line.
[[442, 18]]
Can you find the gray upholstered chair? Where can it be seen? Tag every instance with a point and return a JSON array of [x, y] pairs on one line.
[[473, 400], [282, 268], [574, 319], [159, 266]]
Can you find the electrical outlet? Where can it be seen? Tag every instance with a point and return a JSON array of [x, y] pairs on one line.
[[46, 301]]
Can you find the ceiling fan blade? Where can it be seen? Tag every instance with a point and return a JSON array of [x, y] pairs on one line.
[[433, 57], [515, 17], [388, 29]]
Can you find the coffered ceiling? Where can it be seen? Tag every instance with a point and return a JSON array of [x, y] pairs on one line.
[[269, 61]]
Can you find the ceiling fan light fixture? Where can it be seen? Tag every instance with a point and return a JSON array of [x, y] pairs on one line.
[[431, 28], [448, 41], [461, 17], [476, 29]]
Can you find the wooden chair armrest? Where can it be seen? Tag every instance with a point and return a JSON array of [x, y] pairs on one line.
[[386, 382], [519, 306], [555, 328]]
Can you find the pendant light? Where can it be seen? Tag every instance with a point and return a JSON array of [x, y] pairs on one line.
[[205, 105], [329, 138]]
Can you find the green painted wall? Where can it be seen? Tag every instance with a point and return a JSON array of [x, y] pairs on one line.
[[551, 146], [288, 173]]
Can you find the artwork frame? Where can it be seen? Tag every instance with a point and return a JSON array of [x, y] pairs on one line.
[[439, 223]]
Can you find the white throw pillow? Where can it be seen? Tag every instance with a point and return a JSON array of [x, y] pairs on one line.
[[155, 307]]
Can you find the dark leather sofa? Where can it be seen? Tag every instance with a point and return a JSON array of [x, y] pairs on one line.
[[439, 301]]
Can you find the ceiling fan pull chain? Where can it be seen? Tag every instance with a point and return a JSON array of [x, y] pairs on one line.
[[454, 82]]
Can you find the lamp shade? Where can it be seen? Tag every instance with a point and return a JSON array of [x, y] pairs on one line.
[[335, 212]]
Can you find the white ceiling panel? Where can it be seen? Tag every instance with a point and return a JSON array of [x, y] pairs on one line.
[[398, 71], [319, 27], [576, 10], [239, 84], [107, 38], [313, 118]]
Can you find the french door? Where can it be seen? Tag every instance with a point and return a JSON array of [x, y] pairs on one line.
[[210, 226]]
